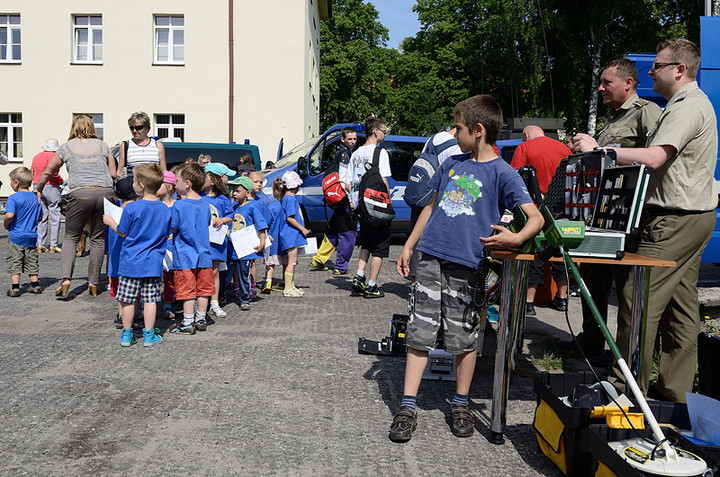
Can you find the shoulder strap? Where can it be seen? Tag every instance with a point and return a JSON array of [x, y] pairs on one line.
[[376, 156], [126, 146]]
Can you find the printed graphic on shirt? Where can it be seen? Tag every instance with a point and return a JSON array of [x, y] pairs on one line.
[[214, 214], [239, 222], [460, 195]]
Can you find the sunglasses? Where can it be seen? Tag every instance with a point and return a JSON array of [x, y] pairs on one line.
[[137, 128], [384, 131], [659, 66]]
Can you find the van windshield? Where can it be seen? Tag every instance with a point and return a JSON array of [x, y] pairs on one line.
[[295, 153]]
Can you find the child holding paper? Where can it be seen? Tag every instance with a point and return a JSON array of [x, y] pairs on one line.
[[215, 192], [292, 231], [245, 214], [166, 193]]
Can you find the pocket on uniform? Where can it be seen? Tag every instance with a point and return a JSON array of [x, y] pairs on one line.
[[659, 229]]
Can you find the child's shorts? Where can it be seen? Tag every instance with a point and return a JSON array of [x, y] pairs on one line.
[[275, 259], [149, 289], [441, 296], [375, 239], [194, 282], [22, 259], [113, 287]]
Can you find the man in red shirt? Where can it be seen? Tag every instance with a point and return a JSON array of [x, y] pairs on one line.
[[50, 197], [544, 154]]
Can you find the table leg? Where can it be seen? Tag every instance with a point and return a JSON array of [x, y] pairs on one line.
[[511, 319], [633, 354]]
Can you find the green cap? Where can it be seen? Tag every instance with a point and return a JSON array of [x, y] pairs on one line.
[[244, 181]]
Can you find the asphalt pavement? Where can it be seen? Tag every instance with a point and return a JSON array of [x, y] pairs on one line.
[[280, 389]]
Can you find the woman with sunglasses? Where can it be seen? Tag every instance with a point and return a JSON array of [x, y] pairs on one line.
[[141, 148], [90, 167]]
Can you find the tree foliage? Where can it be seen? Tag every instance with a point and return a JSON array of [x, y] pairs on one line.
[[537, 57]]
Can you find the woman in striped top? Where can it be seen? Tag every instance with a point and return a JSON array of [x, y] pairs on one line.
[[141, 148]]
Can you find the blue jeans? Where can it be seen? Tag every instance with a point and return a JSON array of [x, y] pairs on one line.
[[243, 267]]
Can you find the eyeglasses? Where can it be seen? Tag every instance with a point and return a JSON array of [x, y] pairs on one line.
[[137, 128], [659, 66], [384, 131]]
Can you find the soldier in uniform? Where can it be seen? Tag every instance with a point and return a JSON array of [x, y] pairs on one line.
[[678, 219], [627, 124]]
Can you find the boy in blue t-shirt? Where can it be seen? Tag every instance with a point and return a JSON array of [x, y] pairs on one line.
[[22, 214], [145, 224], [125, 192], [468, 190]]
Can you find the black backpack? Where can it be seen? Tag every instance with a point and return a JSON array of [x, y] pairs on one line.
[[374, 203], [417, 193]]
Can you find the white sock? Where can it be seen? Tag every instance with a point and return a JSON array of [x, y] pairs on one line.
[[188, 319], [371, 283], [360, 273], [214, 304]]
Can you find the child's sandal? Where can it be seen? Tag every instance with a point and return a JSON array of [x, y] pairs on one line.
[[293, 292]]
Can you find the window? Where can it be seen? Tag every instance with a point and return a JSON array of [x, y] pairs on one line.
[[170, 40], [9, 38], [170, 125], [11, 135], [87, 39], [97, 120]]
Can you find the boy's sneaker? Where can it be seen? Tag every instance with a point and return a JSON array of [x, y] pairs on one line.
[[403, 425], [217, 311], [463, 422], [37, 289], [338, 272], [358, 284], [180, 329], [13, 292], [127, 338], [245, 306], [530, 309], [201, 325], [118, 321], [318, 266], [373, 292], [559, 304], [267, 290], [150, 338]]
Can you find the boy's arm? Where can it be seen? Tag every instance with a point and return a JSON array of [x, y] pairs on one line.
[[292, 221], [403, 262], [9, 216], [262, 234], [507, 239], [110, 222]]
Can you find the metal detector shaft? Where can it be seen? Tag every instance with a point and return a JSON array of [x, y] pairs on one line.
[[629, 379]]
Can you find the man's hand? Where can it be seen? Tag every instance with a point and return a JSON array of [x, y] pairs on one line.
[[583, 143], [502, 240], [403, 262]]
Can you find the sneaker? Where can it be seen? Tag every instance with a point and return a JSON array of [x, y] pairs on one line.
[[37, 290], [463, 422], [169, 314], [559, 304], [530, 309], [201, 325], [13, 292], [150, 338], [42, 249], [373, 292], [253, 293], [293, 292], [403, 425], [338, 272], [118, 321], [180, 329], [318, 266], [358, 284], [127, 338], [217, 311], [245, 306], [267, 290]]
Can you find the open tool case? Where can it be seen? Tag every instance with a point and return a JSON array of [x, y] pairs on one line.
[[620, 198]]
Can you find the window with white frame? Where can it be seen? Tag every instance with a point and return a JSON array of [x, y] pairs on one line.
[[170, 40], [11, 138], [87, 39], [170, 125], [97, 119], [9, 38]]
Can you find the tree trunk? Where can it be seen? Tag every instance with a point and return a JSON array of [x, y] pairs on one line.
[[594, 82]]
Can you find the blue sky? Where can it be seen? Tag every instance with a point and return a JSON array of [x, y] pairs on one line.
[[398, 17]]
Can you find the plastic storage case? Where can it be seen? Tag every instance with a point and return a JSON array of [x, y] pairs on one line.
[[620, 198]]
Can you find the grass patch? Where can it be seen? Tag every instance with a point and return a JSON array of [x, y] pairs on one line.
[[547, 361]]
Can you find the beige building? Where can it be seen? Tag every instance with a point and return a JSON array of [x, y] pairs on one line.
[[219, 71]]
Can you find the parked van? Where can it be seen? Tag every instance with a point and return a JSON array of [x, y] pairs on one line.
[[311, 157]]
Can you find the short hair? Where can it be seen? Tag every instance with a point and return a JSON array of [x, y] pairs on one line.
[[371, 124], [193, 172], [482, 109], [139, 117], [682, 51], [624, 69], [23, 175], [150, 175], [255, 173], [82, 127], [347, 130]]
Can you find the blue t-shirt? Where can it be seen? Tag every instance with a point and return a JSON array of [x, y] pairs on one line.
[[244, 216], [191, 238], [220, 206], [263, 202], [290, 236], [276, 216], [147, 226], [23, 229], [471, 197]]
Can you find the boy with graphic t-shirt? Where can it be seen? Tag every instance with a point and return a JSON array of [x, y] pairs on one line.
[[192, 258], [22, 214], [469, 188], [145, 224]]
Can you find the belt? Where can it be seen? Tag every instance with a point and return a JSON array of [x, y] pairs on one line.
[[657, 210]]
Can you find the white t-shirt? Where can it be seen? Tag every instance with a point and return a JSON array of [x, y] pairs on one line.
[[360, 162], [441, 138]]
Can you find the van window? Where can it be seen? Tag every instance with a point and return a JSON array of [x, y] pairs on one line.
[[402, 157]]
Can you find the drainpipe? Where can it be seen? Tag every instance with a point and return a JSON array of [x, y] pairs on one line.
[[231, 71]]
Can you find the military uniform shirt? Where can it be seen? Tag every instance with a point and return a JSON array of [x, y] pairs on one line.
[[629, 124], [686, 181]]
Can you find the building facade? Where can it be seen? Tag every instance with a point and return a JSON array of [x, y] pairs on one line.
[[221, 71]]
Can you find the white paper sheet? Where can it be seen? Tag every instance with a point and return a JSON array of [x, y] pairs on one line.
[[245, 240], [311, 248], [112, 210], [218, 234]]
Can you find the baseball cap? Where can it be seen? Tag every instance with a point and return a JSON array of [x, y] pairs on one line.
[[244, 181], [124, 189], [169, 177]]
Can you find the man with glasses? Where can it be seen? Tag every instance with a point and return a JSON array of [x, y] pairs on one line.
[[375, 240], [678, 218]]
